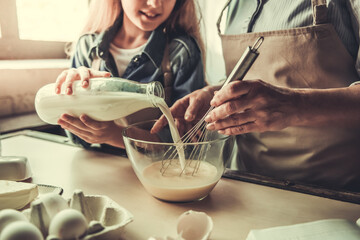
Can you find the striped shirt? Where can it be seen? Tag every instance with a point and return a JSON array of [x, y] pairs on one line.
[[267, 15]]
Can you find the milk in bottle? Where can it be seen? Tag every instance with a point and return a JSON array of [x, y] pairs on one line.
[[105, 99]]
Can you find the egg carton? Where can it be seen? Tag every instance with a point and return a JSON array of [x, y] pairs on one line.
[[14, 168], [105, 218]]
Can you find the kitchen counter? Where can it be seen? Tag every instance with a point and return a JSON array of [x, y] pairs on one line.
[[236, 206]]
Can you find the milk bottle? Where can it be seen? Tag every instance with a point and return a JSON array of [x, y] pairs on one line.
[[105, 99]]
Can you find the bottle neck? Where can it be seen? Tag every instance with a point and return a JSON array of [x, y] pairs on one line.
[[155, 91]]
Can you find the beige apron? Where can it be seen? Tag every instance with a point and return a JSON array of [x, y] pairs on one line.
[[306, 57]]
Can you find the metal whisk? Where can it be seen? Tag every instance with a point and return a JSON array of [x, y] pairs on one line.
[[198, 133]]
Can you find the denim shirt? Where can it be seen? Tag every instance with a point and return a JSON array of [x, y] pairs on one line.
[[185, 59], [184, 54]]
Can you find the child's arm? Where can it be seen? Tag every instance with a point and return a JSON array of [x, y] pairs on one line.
[[187, 66]]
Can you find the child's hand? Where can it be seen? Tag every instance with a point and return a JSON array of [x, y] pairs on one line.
[[93, 131], [67, 77]]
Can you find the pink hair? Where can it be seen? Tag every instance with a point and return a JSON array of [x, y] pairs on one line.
[[102, 14]]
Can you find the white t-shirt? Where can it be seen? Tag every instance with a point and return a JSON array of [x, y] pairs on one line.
[[123, 57]]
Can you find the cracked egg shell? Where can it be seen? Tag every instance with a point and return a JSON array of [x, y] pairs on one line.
[[194, 225]]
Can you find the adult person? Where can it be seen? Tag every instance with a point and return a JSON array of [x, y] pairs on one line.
[[139, 40], [296, 115]]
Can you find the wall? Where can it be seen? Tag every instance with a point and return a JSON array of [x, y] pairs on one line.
[[19, 82]]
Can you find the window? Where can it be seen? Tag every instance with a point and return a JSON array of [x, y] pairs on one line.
[[39, 29]]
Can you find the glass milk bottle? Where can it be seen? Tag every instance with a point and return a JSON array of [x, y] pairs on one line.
[[105, 99]]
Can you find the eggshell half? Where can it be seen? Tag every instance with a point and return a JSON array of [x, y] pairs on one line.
[[194, 225]]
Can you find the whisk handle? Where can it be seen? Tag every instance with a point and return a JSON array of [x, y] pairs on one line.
[[245, 62]]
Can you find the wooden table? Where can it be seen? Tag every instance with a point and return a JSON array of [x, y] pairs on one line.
[[235, 206]]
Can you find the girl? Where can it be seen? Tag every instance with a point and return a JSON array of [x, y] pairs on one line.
[[136, 40]]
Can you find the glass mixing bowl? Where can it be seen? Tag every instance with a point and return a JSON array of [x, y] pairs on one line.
[[166, 176]]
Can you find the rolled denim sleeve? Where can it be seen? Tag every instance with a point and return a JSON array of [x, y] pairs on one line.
[[80, 57], [187, 67]]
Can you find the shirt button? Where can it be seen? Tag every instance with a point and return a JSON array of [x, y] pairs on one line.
[[101, 54], [136, 59]]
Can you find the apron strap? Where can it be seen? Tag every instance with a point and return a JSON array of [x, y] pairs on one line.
[[221, 16], [167, 75], [319, 11]]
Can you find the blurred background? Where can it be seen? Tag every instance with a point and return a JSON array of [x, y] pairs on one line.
[[33, 38]]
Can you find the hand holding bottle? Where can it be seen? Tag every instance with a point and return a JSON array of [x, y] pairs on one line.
[[92, 131], [67, 77]]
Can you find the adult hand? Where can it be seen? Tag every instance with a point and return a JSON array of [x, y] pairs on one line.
[[67, 77], [188, 110], [92, 131], [252, 106]]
